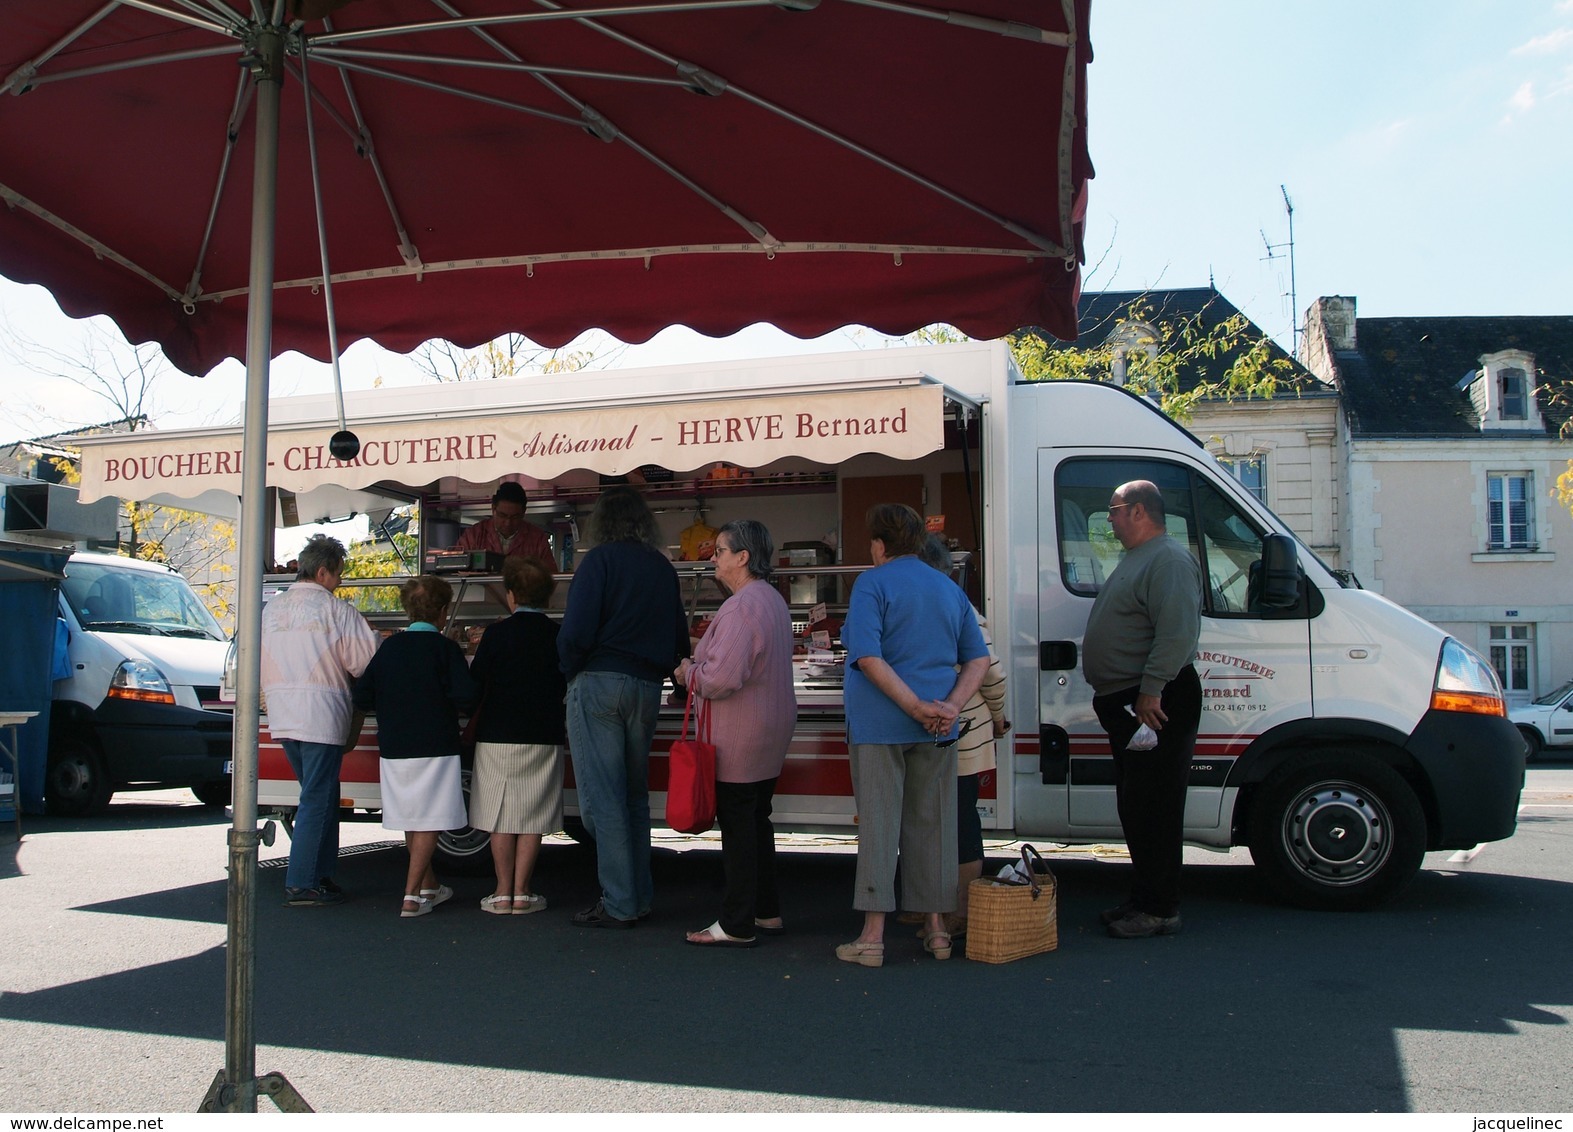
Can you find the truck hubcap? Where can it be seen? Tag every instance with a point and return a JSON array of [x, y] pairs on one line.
[[1337, 833]]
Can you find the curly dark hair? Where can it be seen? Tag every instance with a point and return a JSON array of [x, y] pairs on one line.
[[621, 515]]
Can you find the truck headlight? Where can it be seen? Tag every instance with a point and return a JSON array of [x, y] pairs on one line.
[[138, 680], [1465, 682]]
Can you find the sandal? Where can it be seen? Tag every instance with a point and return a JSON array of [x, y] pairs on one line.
[[497, 905], [715, 936], [863, 954], [937, 944], [422, 905], [526, 902], [955, 927], [439, 895]]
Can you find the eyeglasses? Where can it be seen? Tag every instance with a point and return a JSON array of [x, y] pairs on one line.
[[1113, 507], [966, 726]]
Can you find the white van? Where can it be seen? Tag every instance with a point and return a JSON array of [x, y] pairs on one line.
[[140, 706], [1342, 736]]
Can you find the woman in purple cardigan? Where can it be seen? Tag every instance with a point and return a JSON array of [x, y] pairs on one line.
[[743, 667]]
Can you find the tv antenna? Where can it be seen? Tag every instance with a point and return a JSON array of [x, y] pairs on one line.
[[1276, 251]]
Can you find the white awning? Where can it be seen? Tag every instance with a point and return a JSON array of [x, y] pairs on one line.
[[827, 427]]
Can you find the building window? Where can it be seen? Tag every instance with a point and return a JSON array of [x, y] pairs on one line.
[[1251, 471], [1515, 395], [1513, 656], [1510, 514], [1502, 391]]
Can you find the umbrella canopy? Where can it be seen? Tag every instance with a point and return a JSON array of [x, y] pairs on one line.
[[199, 169], [489, 166]]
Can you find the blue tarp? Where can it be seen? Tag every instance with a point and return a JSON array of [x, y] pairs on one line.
[[29, 578]]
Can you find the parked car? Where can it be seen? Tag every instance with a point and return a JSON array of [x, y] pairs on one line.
[[1548, 722]]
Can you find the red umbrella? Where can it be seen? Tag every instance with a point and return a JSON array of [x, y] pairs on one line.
[[485, 166], [715, 164]]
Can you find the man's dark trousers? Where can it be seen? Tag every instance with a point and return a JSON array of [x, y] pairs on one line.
[[1149, 787]]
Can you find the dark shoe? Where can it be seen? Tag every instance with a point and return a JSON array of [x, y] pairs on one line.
[[311, 897], [1109, 915], [596, 916], [1140, 925], [326, 884]]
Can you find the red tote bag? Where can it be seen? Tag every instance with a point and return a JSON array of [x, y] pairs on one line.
[[690, 775]]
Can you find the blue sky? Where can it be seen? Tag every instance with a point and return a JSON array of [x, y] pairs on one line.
[[1427, 146]]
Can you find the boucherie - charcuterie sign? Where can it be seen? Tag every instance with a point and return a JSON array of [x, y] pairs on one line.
[[904, 422]]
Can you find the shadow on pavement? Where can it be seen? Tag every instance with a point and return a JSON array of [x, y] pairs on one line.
[[1254, 1007]]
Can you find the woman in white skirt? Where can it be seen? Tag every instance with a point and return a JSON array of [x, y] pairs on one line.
[[516, 790], [417, 685]]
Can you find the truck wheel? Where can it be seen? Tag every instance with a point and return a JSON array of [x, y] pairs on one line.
[[75, 783], [1532, 743], [215, 793], [1337, 833], [465, 850]]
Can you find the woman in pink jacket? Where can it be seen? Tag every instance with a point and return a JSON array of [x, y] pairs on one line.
[[743, 668]]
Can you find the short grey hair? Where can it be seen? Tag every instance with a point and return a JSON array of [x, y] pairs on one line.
[[936, 553], [320, 551], [1147, 494], [753, 536]]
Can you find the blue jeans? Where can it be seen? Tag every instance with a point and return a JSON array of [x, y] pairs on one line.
[[611, 723], [314, 845]]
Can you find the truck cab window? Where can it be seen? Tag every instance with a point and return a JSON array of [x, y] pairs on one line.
[[1087, 546], [1225, 542]]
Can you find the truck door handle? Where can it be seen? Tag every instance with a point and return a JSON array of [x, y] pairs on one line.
[[1054, 758], [1056, 656]]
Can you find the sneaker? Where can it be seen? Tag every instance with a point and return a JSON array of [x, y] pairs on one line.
[[596, 916], [1140, 925], [326, 884], [311, 897], [1119, 912]]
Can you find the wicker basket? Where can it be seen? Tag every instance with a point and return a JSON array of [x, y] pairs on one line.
[[1012, 921]]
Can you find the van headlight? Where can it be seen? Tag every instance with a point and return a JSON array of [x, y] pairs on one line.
[[231, 680], [1465, 682], [140, 681]]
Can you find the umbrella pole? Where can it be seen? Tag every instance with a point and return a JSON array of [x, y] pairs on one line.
[[236, 1086]]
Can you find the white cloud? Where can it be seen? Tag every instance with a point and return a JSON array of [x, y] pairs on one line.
[[1523, 99], [1548, 44]]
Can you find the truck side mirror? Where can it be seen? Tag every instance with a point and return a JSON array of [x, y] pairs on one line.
[[1280, 573]]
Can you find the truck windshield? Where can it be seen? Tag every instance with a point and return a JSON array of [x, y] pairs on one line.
[[109, 599]]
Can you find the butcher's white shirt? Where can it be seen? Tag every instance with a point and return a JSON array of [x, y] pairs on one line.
[[313, 645]]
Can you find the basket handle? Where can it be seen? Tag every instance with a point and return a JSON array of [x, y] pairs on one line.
[[1030, 860]]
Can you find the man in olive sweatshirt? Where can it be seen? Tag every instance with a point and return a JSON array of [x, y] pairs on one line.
[[1137, 653]]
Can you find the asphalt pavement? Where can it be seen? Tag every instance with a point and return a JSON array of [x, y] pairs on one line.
[[1456, 997]]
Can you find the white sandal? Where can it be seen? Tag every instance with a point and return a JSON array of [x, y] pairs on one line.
[[497, 905], [526, 902], [439, 895], [422, 905]]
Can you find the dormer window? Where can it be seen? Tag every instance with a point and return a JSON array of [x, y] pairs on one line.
[[1503, 391], [1129, 338], [1514, 388]]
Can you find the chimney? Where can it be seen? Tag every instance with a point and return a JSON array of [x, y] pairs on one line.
[[1329, 330]]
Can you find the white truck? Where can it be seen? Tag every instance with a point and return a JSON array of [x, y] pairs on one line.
[[140, 706], [1343, 737]]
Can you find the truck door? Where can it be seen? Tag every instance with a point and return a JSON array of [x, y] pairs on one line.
[[1254, 665]]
